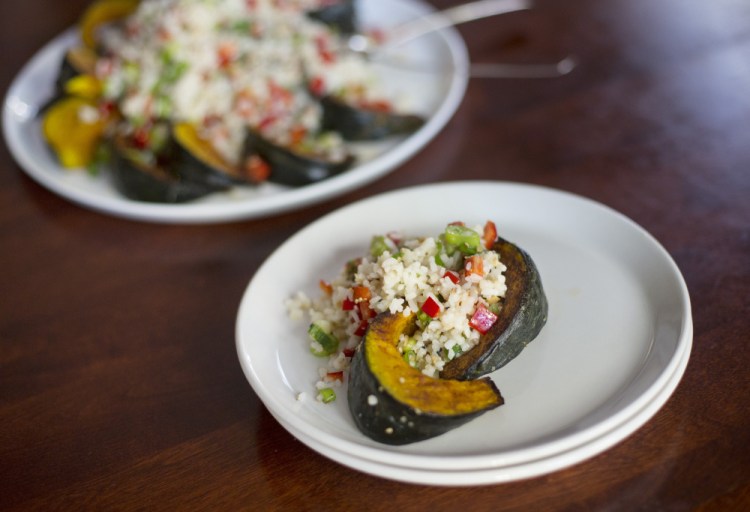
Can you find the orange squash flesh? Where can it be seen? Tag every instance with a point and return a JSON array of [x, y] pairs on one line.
[[393, 403]]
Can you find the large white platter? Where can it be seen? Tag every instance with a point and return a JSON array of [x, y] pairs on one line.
[[431, 74], [614, 348]]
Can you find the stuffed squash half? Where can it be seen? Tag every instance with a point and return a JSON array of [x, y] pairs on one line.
[[415, 326]]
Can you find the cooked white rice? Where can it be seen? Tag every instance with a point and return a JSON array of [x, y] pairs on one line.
[[402, 284], [224, 65]]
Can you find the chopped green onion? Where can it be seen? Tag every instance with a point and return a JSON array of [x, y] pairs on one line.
[[324, 343], [410, 357], [423, 318], [378, 246], [241, 26]]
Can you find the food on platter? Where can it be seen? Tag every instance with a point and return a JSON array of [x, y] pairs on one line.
[[414, 326], [198, 96]]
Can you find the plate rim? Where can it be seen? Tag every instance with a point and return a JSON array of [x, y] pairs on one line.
[[502, 474], [510, 456], [252, 208]]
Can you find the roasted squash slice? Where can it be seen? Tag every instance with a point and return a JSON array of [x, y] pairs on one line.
[[79, 60], [521, 318], [101, 12], [198, 161], [362, 124], [73, 127], [139, 177], [290, 167], [340, 15], [393, 403]]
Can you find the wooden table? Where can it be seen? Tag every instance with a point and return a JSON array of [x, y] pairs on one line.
[[120, 386]]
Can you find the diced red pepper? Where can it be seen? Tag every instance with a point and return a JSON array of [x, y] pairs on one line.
[[280, 94], [347, 304], [483, 319], [361, 328], [317, 86], [226, 54], [297, 134], [361, 296], [323, 50], [325, 287], [348, 352], [365, 312], [257, 169], [211, 120], [361, 293], [266, 122], [431, 307], [339, 376], [452, 276], [474, 266], [141, 138], [490, 234], [107, 108], [376, 105]]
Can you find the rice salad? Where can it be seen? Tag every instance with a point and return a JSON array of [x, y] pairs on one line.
[[224, 65], [454, 282]]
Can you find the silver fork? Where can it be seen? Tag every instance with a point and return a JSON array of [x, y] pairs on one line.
[[463, 13]]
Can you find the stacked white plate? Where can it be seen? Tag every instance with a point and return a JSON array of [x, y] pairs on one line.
[[614, 349]]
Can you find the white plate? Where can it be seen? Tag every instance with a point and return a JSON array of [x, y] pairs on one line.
[[619, 325], [501, 474], [435, 89]]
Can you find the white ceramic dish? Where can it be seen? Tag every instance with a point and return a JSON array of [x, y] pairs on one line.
[[435, 89], [618, 328], [501, 474]]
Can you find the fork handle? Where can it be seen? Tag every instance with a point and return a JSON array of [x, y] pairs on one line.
[[452, 16]]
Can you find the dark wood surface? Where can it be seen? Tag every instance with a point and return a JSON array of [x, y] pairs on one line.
[[120, 386]]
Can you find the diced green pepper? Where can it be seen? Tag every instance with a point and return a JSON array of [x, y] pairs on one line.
[[462, 239], [327, 395], [495, 307]]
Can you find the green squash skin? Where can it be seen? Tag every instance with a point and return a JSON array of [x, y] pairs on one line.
[[390, 421], [75, 62], [362, 125], [193, 169], [290, 168], [341, 16], [154, 185], [522, 317]]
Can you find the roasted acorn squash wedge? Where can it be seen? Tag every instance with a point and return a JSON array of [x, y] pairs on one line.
[[100, 13], [79, 60], [73, 127], [197, 160], [340, 15], [362, 124], [393, 403], [139, 178], [521, 318], [290, 167]]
